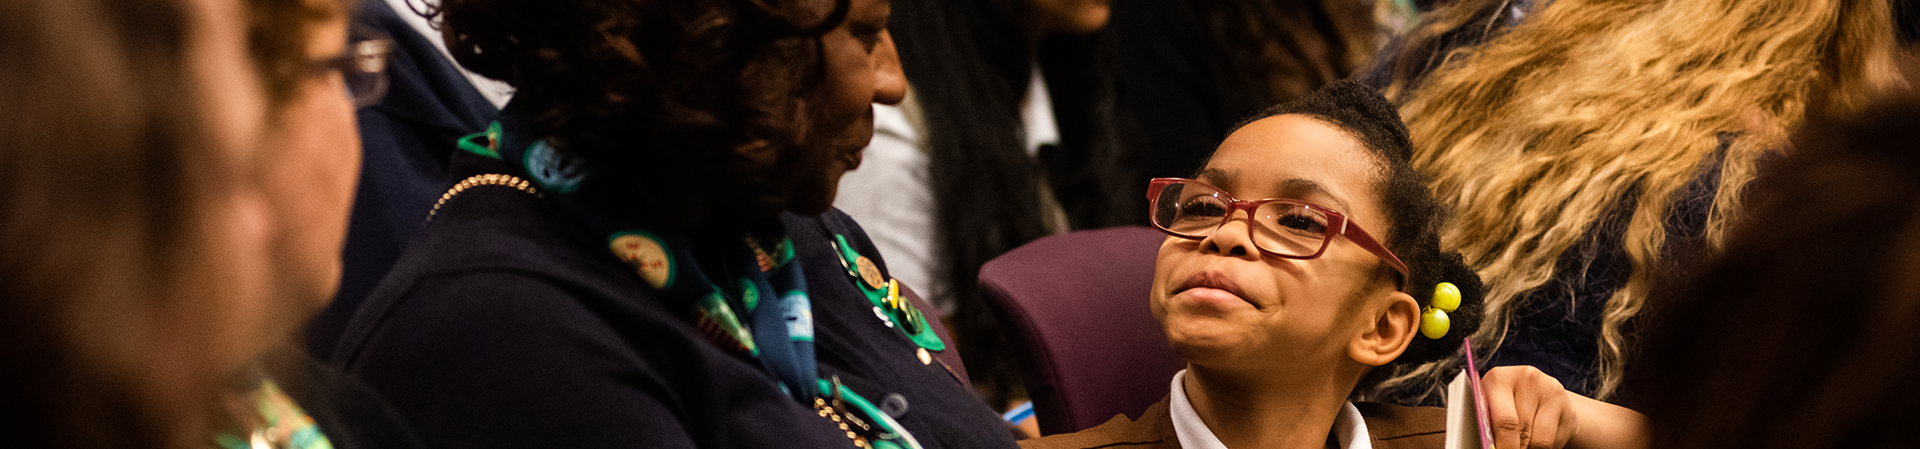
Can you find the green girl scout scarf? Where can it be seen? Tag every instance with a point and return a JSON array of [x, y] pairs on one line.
[[266, 417]]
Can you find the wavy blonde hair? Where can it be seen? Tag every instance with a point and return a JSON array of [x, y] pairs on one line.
[[1533, 137]]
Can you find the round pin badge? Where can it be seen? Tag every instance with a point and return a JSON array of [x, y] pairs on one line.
[[869, 272], [554, 171], [647, 255]]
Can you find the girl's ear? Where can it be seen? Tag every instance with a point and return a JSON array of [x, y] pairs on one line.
[[1394, 324]]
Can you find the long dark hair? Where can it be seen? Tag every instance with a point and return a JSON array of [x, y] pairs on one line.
[[1275, 52], [1224, 60], [968, 64]]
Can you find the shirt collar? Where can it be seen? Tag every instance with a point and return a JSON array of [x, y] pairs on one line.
[[1349, 428]]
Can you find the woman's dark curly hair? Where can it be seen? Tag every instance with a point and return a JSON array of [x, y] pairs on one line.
[[662, 91], [1414, 217]]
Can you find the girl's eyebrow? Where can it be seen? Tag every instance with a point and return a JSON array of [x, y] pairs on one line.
[[1308, 185], [1215, 176], [1219, 176]]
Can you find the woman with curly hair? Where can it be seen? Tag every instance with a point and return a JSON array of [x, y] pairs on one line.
[[640, 252], [1596, 142]]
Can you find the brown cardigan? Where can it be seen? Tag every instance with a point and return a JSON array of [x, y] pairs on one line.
[[1391, 426]]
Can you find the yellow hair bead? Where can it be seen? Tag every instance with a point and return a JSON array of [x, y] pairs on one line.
[[1434, 323], [1446, 297]]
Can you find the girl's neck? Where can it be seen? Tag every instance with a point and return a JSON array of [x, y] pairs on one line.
[[1262, 410]]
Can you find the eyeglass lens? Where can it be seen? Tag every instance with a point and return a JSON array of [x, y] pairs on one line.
[[366, 75], [1196, 211]]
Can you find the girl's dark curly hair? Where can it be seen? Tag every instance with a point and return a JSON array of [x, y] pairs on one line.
[[1414, 217], [662, 91]]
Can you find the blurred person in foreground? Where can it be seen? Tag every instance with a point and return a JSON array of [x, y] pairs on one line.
[[171, 206], [1801, 335]]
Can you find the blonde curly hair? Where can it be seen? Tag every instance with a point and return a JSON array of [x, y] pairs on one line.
[[1534, 136]]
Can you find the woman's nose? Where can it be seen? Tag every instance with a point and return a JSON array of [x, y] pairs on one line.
[[889, 82]]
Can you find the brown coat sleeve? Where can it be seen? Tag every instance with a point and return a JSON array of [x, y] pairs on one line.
[[1391, 426], [1154, 430], [1397, 427]]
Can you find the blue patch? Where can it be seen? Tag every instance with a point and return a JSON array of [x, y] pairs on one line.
[[554, 171], [799, 316]]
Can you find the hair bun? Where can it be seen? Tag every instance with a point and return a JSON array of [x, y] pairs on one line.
[[1449, 267]]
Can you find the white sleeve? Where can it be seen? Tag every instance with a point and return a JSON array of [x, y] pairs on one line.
[[891, 196]]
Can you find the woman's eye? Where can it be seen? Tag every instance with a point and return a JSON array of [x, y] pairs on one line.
[[868, 34]]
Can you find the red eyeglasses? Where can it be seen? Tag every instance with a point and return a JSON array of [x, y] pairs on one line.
[[1291, 229]]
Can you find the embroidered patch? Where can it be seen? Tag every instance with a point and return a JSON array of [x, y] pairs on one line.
[[799, 316], [554, 171], [484, 143], [749, 294], [646, 254], [719, 324]]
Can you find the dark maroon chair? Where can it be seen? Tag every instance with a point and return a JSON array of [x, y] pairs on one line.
[[1078, 302]]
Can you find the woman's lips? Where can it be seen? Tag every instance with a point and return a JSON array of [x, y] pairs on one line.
[[1212, 283], [854, 157]]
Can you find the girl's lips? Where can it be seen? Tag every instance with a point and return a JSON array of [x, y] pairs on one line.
[[1211, 284]]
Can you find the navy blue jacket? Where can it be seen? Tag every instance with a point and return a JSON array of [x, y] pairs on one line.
[[507, 325]]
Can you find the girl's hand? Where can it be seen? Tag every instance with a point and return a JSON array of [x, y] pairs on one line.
[[1530, 410]]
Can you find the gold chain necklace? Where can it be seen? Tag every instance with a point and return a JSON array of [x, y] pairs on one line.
[[827, 410], [490, 179]]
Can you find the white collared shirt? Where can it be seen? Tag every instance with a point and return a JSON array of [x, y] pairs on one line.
[[1349, 428]]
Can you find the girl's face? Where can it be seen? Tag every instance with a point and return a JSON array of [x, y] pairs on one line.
[[862, 69], [1223, 303]]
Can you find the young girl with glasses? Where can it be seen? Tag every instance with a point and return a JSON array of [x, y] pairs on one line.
[[1302, 261]]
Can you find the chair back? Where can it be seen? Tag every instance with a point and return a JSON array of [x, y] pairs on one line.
[[1078, 302]]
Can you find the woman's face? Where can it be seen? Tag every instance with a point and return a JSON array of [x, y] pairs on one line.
[[312, 163], [1224, 304], [862, 69]]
